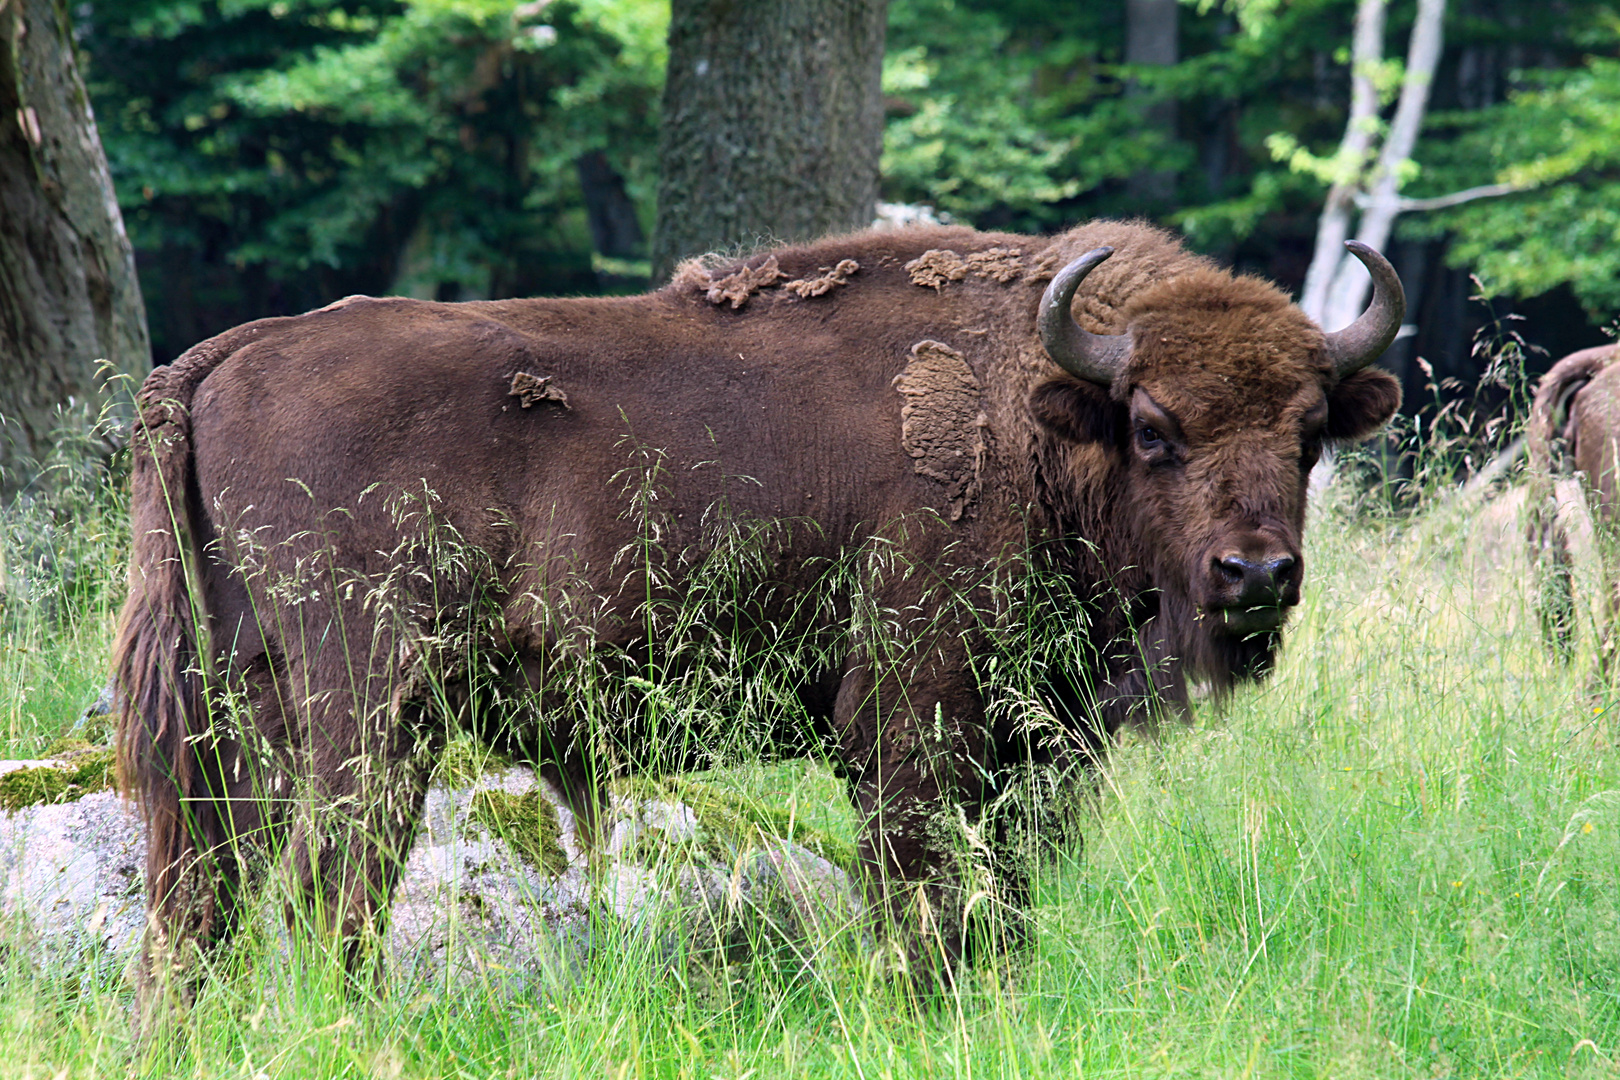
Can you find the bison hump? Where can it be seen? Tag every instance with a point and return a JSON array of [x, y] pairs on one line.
[[942, 422]]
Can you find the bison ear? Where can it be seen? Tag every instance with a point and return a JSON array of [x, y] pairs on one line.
[[1361, 404], [1077, 410]]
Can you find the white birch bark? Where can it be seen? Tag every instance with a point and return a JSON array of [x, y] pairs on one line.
[[1354, 150], [1348, 292]]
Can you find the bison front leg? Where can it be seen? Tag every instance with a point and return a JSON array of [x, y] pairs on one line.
[[916, 754]]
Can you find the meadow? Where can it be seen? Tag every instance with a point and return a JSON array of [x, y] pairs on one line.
[[1397, 857]]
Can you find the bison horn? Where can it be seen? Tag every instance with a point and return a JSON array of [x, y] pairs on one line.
[[1094, 357], [1365, 340]]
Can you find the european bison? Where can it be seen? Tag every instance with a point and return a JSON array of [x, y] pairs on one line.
[[356, 525], [1574, 425]]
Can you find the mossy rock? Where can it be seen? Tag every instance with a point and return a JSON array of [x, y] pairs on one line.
[[464, 761], [68, 748], [528, 823], [728, 822], [78, 772]]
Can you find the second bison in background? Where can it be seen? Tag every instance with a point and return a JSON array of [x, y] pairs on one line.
[[357, 526], [1574, 445]]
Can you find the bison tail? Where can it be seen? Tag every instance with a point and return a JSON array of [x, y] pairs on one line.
[[161, 654]]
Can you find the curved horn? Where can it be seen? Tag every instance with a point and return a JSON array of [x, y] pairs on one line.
[[1094, 357], [1365, 340]]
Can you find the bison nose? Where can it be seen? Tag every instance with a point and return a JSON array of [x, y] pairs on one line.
[[1255, 582]]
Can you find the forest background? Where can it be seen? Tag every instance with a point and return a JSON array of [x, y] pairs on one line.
[[270, 156]]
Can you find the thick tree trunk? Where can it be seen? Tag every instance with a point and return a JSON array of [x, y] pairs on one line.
[[1153, 36], [68, 292], [773, 123]]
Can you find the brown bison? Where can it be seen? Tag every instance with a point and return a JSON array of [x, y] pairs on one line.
[[359, 525], [1572, 441]]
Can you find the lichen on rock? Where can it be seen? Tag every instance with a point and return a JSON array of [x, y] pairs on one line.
[[464, 760], [728, 823]]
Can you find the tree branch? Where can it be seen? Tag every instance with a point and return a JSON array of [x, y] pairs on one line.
[[1456, 198]]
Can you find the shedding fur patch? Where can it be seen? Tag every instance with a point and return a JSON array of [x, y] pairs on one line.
[[936, 266], [743, 282], [942, 424], [1000, 264], [829, 280], [343, 303], [529, 389]]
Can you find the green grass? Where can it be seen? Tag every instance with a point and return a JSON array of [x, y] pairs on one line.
[[1399, 857]]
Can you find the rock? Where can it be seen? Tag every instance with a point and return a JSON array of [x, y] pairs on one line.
[[475, 896], [73, 871]]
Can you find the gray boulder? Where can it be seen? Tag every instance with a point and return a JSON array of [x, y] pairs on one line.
[[495, 888]]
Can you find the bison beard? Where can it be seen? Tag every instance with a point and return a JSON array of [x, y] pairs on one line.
[[350, 535]]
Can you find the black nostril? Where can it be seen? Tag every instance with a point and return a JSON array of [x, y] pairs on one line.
[[1279, 569], [1254, 583]]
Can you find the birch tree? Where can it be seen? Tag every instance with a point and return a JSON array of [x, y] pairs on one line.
[[1372, 161]]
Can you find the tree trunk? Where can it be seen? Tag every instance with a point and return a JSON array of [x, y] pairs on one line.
[[1152, 36], [1349, 290], [68, 292], [615, 229], [773, 123], [1333, 229], [1336, 284]]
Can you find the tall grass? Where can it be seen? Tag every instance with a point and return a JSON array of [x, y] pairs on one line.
[[1397, 857], [64, 539]]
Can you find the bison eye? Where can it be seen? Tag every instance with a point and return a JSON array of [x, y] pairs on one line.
[[1153, 447]]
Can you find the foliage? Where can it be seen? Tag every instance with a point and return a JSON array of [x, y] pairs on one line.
[[1558, 137], [965, 135], [272, 155], [327, 146]]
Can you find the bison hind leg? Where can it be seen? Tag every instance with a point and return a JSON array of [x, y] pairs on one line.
[[353, 827], [209, 843]]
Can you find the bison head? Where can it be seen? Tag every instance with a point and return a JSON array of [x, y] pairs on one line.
[[1212, 408]]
